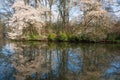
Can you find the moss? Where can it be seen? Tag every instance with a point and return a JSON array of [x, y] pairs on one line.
[[52, 37]]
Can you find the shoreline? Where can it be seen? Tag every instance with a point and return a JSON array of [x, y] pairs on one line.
[[81, 41]]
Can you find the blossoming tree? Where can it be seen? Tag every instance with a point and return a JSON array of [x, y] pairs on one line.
[[27, 21], [97, 21]]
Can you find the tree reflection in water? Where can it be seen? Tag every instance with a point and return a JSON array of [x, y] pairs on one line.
[[63, 61]]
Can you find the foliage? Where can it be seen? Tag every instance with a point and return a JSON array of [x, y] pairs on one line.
[[52, 37]]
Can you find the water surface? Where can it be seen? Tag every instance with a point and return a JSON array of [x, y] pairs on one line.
[[59, 61]]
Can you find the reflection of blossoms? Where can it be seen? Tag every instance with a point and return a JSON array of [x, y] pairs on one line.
[[27, 60], [37, 61]]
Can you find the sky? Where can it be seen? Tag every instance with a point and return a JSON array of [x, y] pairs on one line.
[[0, 5]]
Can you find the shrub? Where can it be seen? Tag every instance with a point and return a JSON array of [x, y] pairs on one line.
[[113, 37], [74, 38], [33, 37], [62, 37], [52, 37]]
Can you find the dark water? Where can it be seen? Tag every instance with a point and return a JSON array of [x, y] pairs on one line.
[[63, 61]]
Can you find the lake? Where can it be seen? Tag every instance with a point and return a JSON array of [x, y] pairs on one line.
[[59, 61]]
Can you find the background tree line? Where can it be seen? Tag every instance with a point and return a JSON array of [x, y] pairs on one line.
[[95, 20]]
